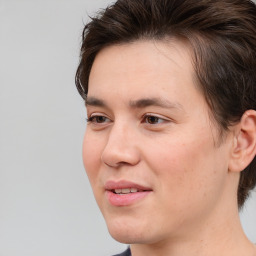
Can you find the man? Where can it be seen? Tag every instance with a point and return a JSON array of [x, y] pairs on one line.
[[170, 91]]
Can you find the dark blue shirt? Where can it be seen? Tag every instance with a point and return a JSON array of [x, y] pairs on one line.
[[126, 253]]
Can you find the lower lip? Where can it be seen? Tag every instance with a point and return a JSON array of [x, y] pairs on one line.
[[125, 199]]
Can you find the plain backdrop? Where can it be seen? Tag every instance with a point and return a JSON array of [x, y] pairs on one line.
[[46, 204]]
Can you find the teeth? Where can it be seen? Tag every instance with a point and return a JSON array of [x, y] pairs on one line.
[[118, 191], [126, 190]]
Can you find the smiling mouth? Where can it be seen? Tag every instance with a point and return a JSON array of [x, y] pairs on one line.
[[124, 191], [126, 196]]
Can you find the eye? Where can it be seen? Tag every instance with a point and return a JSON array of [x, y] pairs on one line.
[[97, 119], [151, 119]]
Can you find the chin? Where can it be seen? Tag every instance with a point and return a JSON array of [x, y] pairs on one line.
[[126, 232], [125, 238], [128, 238]]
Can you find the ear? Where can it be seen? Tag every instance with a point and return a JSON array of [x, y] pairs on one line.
[[244, 146]]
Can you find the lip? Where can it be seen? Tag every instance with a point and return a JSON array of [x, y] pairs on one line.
[[111, 185], [125, 199]]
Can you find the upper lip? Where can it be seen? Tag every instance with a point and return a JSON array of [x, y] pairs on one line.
[[112, 185]]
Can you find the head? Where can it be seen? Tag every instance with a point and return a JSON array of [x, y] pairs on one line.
[[214, 41]]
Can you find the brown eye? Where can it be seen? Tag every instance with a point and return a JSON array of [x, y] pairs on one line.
[[98, 119], [153, 119]]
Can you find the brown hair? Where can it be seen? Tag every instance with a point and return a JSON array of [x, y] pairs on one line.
[[223, 38]]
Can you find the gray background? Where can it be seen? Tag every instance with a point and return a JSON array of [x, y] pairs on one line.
[[46, 204]]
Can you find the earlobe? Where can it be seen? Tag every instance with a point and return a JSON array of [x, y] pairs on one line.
[[244, 146]]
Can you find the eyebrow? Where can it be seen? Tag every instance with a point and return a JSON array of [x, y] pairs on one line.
[[92, 101], [141, 103], [159, 102]]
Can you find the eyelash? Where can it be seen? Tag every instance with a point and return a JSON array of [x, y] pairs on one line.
[[93, 119], [147, 116]]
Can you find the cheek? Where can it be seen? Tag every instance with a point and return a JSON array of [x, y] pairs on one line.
[[91, 156], [188, 171]]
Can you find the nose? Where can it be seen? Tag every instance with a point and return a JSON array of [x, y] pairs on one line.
[[121, 147]]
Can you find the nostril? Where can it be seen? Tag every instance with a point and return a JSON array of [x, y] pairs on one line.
[[120, 154], [118, 164], [110, 165]]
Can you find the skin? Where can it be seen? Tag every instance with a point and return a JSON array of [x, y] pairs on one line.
[[192, 209]]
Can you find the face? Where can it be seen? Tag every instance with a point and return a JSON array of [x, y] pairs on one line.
[[149, 147]]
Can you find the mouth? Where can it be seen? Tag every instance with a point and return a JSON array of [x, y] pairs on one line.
[[125, 193]]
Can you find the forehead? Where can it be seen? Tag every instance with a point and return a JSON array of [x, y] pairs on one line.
[[141, 64]]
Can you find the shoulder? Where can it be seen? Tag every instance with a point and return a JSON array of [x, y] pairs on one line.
[[126, 253]]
